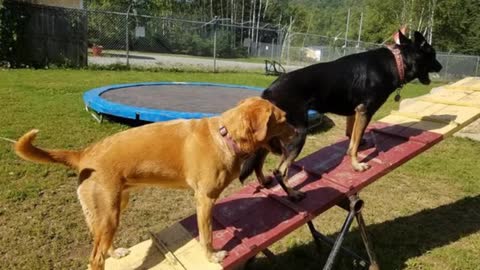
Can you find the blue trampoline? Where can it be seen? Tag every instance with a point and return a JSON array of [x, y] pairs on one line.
[[163, 101]]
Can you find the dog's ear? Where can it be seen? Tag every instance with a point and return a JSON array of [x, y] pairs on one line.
[[258, 122], [419, 39], [401, 39]]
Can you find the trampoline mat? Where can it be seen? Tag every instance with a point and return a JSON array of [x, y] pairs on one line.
[[187, 98]]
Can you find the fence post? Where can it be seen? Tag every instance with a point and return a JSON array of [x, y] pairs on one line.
[[215, 44], [476, 69], [127, 45], [288, 48], [273, 41], [446, 65]]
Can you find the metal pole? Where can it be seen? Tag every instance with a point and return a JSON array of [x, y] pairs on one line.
[[339, 241], [446, 65], [354, 207], [273, 40], [288, 48], [127, 38], [366, 242], [215, 44], [478, 62], [317, 237], [346, 33], [360, 30]]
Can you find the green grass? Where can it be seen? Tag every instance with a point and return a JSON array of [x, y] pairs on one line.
[[423, 215]]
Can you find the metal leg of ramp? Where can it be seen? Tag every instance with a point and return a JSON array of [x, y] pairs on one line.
[[354, 206]]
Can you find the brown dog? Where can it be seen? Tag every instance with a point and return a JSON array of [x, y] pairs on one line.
[[203, 154]]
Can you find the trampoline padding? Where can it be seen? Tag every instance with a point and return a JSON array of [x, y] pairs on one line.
[[163, 101]]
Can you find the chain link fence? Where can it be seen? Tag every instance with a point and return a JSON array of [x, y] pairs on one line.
[[148, 41], [130, 39]]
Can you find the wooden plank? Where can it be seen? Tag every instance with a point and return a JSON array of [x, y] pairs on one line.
[[182, 249], [398, 120], [144, 255], [421, 107], [467, 84]]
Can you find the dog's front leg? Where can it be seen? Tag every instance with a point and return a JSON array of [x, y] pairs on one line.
[[349, 125], [349, 129], [293, 150], [361, 122], [260, 157], [204, 220]]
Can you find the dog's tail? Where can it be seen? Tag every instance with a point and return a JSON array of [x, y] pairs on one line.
[[26, 150]]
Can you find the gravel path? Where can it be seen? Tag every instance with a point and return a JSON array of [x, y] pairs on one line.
[[171, 61]]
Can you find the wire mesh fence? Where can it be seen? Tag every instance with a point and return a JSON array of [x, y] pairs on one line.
[[171, 42], [128, 38]]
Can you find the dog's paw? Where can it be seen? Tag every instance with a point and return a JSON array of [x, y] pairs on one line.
[[119, 253], [361, 167], [217, 257], [267, 181], [296, 196]]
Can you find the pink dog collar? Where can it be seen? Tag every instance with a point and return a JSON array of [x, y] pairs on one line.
[[224, 132], [399, 61]]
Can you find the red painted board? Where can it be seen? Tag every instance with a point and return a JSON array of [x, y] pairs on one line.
[[253, 218]]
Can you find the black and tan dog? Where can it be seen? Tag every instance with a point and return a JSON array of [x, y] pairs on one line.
[[355, 86]]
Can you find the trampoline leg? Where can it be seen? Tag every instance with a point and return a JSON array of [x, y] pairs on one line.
[[97, 117]]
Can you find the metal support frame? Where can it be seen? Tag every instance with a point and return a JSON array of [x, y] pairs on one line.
[[97, 116], [354, 206]]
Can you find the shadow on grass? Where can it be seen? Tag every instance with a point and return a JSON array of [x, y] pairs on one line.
[[394, 241]]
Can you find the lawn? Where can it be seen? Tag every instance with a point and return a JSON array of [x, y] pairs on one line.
[[424, 215]]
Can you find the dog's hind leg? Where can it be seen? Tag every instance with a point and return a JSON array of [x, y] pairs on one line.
[[101, 207], [121, 252], [361, 121]]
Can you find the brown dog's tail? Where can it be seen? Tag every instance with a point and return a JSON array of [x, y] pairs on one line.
[[26, 150]]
